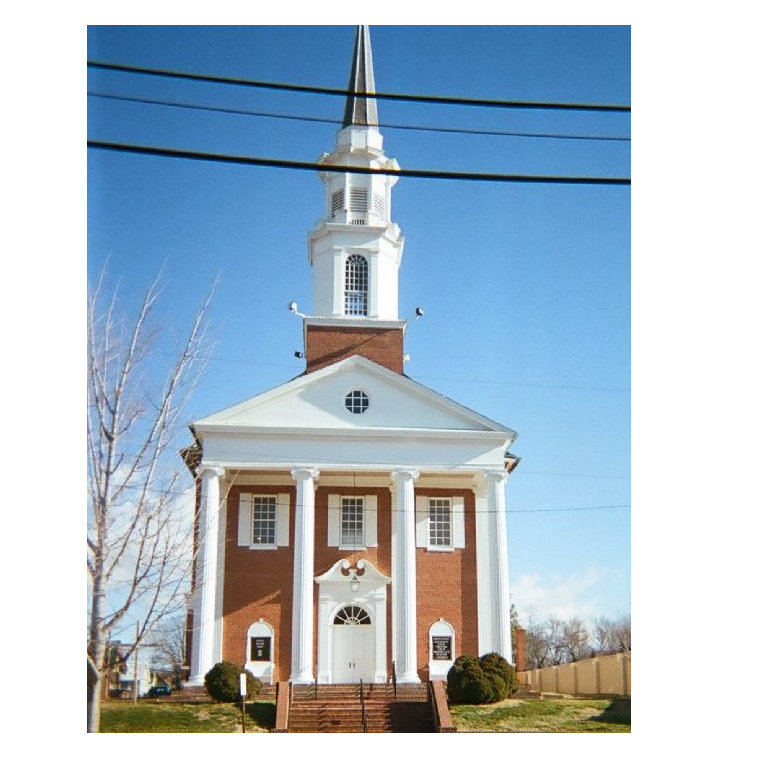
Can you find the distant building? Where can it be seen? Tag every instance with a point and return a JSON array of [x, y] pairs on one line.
[[120, 679], [351, 523]]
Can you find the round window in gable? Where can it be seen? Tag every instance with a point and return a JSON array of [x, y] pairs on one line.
[[357, 401]]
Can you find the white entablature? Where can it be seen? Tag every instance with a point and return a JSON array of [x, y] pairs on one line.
[[317, 419]]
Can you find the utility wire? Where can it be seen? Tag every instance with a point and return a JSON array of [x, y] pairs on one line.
[[507, 383], [464, 176], [397, 126], [190, 491], [458, 100]]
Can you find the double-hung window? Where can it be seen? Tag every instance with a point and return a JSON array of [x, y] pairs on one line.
[[352, 522], [263, 522], [440, 522]]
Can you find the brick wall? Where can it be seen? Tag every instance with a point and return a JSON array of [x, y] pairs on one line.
[[446, 587], [328, 344], [326, 556], [258, 583]]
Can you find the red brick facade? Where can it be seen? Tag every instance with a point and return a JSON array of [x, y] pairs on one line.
[[326, 345], [446, 588], [258, 583]]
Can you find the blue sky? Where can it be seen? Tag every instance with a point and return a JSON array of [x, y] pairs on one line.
[[526, 288]]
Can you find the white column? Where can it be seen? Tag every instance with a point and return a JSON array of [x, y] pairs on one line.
[[500, 626], [405, 578], [302, 605], [483, 585], [204, 644]]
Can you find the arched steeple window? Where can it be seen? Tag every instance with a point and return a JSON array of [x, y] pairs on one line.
[[356, 285]]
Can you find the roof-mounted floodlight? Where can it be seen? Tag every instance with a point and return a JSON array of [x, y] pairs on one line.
[[293, 309]]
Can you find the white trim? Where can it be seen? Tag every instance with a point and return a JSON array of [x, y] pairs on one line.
[[282, 507], [370, 521], [334, 593], [458, 522], [352, 476], [334, 522], [436, 546], [438, 435], [354, 546], [421, 519], [245, 519], [262, 670], [437, 669]]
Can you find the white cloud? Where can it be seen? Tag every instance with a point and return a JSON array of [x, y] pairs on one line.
[[537, 596]]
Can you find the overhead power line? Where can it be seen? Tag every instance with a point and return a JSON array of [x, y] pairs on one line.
[[397, 126], [465, 176], [297, 367], [457, 100], [189, 490]]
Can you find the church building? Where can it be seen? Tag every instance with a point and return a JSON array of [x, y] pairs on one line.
[[351, 523]]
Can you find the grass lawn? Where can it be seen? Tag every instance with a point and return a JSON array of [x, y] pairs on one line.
[[125, 717], [530, 715]]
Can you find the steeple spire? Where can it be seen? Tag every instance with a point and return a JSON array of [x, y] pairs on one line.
[[359, 110]]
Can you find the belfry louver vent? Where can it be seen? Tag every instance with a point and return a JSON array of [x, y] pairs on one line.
[[359, 200], [338, 201]]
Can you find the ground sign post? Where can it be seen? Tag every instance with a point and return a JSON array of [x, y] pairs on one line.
[[243, 701]]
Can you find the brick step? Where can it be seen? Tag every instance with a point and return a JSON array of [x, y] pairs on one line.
[[381, 717], [336, 692]]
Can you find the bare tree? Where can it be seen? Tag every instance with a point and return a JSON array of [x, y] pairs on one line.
[[139, 547], [574, 640], [612, 635], [168, 642]]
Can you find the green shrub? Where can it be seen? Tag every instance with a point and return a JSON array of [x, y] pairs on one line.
[[497, 665], [222, 683], [488, 679], [467, 682]]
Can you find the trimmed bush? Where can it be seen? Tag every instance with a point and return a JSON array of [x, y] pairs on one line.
[[222, 683], [467, 682], [488, 679], [497, 665]]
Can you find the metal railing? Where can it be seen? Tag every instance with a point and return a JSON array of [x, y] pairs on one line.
[[363, 704], [393, 679]]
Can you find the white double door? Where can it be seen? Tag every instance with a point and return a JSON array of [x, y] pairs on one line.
[[352, 653]]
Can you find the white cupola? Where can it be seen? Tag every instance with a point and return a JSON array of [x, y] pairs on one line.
[[355, 249]]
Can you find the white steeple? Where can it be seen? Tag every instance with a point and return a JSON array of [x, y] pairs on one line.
[[355, 249]]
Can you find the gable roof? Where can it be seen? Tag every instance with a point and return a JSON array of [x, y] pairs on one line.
[[317, 401]]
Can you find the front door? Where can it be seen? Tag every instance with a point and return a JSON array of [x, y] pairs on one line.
[[352, 646]]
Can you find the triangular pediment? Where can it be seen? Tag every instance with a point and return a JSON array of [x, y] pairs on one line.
[[317, 401]]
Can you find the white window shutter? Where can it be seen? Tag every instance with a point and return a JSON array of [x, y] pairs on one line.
[[370, 521], [421, 520], [282, 519], [458, 522], [333, 507], [245, 510]]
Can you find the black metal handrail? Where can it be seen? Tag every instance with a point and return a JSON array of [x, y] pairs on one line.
[[393, 678], [363, 703]]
